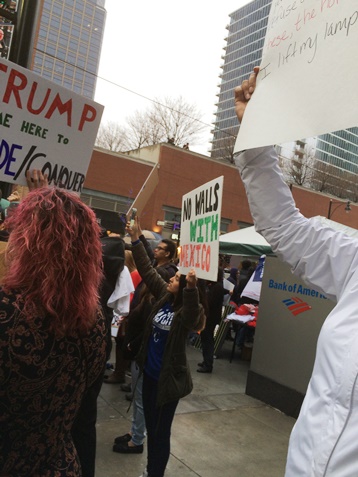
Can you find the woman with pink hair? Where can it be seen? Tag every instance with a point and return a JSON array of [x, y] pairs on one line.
[[52, 345]]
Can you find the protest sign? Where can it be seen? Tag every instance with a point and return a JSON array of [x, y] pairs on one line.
[[308, 77], [146, 191], [44, 126], [200, 229]]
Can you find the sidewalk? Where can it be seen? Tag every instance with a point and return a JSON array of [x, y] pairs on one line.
[[218, 430]]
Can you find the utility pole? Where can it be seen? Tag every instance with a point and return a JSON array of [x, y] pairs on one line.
[[23, 20], [22, 44]]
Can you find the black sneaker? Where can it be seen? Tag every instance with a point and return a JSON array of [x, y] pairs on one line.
[[127, 388], [121, 439], [201, 364], [124, 448], [204, 369]]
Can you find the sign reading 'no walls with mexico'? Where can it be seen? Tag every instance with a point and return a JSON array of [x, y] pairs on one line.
[[200, 229]]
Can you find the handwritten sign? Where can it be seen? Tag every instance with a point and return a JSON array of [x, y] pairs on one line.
[[308, 80], [200, 229], [44, 126]]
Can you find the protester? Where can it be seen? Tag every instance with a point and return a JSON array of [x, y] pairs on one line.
[[83, 432], [234, 273], [162, 357], [132, 442], [53, 335], [323, 441], [118, 376], [215, 296]]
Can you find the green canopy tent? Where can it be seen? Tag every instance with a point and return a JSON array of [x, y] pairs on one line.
[[244, 242]]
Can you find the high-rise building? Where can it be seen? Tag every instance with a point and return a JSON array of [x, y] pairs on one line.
[[243, 51], [68, 43]]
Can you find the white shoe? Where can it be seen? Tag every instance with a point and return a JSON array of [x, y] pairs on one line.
[[145, 474]]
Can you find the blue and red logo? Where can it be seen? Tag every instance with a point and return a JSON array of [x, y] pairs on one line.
[[296, 305]]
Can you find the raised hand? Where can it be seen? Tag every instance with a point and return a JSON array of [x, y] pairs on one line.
[[191, 279], [35, 179], [244, 92]]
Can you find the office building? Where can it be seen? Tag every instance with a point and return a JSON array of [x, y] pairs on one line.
[[68, 43], [243, 51]]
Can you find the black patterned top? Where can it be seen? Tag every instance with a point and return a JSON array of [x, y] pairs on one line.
[[42, 381]]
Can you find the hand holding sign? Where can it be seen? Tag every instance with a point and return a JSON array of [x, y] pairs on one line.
[[35, 179], [132, 229], [191, 279], [244, 92]]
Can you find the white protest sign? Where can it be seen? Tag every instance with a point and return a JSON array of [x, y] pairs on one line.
[[309, 74], [200, 229], [44, 126]]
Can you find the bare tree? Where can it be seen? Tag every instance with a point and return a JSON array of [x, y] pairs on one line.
[[225, 145], [340, 184], [111, 136], [140, 131], [321, 175], [299, 168], [166, 118]]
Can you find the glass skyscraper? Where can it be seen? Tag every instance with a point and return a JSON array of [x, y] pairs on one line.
[[243, 51], [68, 44]]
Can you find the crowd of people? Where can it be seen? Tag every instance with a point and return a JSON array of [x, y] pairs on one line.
[[61, 282], [48, 302]]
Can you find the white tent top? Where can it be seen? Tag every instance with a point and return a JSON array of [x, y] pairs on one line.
[[248, 242], [244, 242]]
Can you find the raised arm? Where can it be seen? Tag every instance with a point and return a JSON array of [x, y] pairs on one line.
[[321, 256], [151, 278]]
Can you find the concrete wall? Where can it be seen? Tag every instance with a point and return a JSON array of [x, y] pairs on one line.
[[285, 344]]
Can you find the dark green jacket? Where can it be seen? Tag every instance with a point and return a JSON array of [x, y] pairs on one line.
[[175, 380]]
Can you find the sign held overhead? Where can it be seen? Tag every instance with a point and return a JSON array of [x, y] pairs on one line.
[[200, 229], [44, 126]]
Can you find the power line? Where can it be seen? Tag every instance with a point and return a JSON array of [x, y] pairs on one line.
[[135, 92]]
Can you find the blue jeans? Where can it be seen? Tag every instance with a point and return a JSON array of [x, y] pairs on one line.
[[159, 422], [138, 422]]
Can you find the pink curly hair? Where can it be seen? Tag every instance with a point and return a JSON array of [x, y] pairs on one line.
[[54, 260]]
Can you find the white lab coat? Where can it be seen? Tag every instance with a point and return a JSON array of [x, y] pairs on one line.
[[324, 441]]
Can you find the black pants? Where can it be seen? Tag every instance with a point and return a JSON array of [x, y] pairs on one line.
[[84, 429], [158, 422], [207, 344]]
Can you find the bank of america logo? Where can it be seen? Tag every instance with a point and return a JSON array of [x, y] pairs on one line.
[[296, 305]]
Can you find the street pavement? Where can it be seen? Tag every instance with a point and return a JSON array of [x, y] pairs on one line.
[[218, 430]]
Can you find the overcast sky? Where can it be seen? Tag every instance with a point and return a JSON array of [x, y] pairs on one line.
[[162, 48]]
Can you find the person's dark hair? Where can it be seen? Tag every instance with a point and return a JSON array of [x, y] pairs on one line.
[[246, 264], [171, 247], [233, 273]]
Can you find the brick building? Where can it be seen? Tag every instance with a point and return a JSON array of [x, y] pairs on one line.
[[114, 179]]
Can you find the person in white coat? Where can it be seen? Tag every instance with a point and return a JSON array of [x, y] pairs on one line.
[[324, 440]]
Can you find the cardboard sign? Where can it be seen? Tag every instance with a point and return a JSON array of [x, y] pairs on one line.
[[146, 191], [308, 80], [200, 229], [44, 126]]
